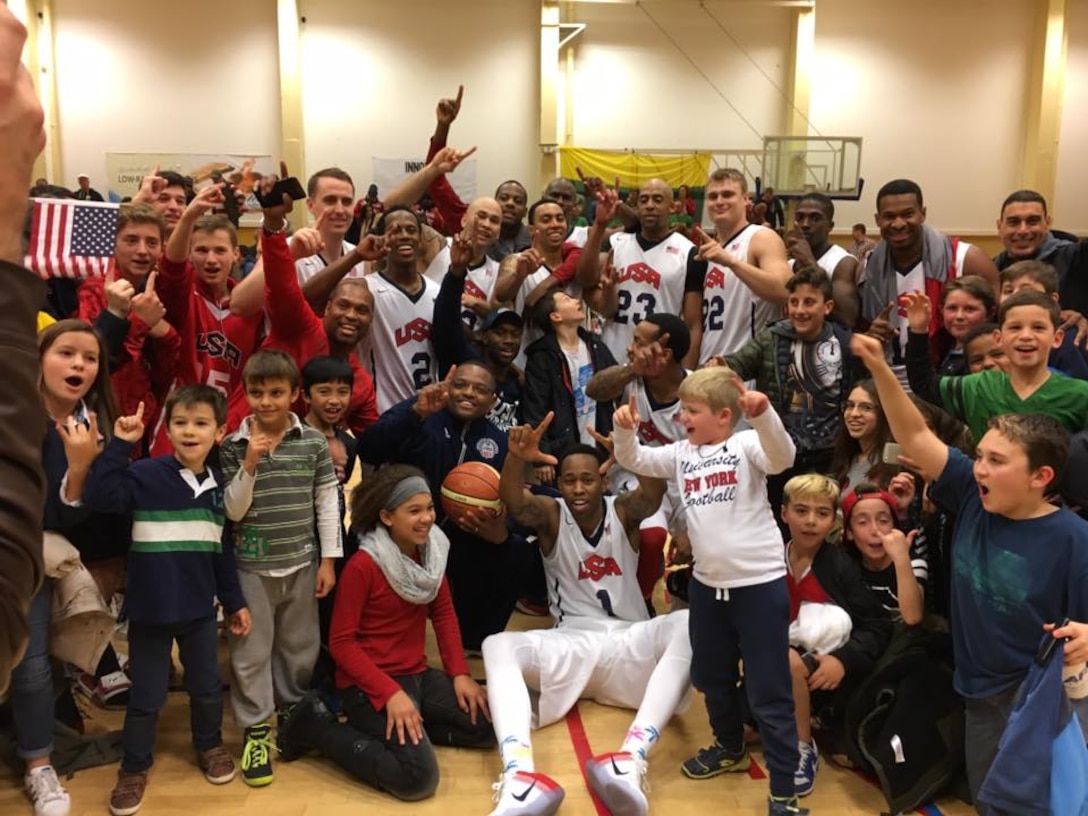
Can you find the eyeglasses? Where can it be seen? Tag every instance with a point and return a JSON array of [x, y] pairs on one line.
[[860, 407]]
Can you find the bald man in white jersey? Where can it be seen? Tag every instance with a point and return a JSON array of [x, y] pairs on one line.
[[745, 284], [603, 645]]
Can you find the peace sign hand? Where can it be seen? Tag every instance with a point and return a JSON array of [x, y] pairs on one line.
[[751, 403], [524, 442], [208, 199], [461, 249], [150, 186], [608, 444], [626, 416], [434, 397]]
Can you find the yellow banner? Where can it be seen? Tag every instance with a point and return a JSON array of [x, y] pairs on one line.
[[633, 169]]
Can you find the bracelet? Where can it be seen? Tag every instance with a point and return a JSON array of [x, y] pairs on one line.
[[281, 231]]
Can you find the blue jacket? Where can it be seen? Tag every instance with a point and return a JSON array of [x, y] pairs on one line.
[[436, 445]]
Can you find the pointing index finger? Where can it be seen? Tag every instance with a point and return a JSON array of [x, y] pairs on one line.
[[460, 93], [151, 278], [885, 313], [544, 423]]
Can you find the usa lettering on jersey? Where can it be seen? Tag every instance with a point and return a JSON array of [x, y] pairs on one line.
[[417, 330], [217, 345], [639, 272], [595, 568]]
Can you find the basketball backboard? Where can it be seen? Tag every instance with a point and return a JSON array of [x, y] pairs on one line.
[[795, 165]]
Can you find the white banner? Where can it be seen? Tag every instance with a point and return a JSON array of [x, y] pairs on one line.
[[388, 173]]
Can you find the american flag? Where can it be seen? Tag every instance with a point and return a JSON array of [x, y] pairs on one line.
[[71, 239]]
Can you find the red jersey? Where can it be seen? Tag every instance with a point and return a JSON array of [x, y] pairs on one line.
[[216, 343], [376, 635], [297, 331]]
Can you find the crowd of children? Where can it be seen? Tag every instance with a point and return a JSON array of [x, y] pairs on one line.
[[202, 429]]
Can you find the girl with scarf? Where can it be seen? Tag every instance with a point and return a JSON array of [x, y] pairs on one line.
[[396, 705]]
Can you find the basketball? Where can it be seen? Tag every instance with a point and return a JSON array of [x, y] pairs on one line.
[[472, 484]]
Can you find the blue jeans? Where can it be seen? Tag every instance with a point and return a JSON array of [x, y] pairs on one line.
[[751, 624], [149, 670], [32, 700]]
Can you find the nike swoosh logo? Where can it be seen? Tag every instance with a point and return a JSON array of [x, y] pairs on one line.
[[616, 770], [525, 794]]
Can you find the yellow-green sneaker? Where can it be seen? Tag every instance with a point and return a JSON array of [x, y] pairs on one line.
[[715, 760], [257, 756]]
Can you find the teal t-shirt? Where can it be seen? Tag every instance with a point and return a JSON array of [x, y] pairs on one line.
[[975, 398]]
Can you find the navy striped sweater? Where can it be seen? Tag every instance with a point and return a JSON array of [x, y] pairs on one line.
[[180, 558]]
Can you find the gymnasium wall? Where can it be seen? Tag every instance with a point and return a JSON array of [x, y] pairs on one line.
[[938, 92]]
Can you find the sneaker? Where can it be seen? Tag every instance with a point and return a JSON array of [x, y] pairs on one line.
[[217, 765], [128, 793], [110, 691], [527, 606], [257, 756], [785, 806], [804, 780], [295, 727], [716, 760], [527, 794], [619, 780], [45, 791]]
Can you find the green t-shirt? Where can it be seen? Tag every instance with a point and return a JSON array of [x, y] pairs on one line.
[[975, 398]]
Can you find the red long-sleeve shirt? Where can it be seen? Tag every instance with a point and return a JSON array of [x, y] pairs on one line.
[[376, 635], [297, 331]]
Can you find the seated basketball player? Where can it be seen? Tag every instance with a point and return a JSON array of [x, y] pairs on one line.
[[603, 645]]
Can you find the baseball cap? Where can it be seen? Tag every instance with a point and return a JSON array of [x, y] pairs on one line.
[[82, 175], [858, 494], [502, 316]]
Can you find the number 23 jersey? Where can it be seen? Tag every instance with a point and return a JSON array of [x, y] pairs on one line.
[[649, 279], [398, 351]]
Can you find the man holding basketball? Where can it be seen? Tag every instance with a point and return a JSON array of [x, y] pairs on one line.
[[441, 427], [603, 645]]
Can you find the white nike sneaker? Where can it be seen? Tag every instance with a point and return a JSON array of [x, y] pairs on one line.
[[527, 794], [619, 780]]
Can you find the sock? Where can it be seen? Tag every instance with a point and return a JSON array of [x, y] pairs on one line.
[[516, 756], [639, 740]]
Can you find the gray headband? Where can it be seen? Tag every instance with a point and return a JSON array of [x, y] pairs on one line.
[[404, 490]]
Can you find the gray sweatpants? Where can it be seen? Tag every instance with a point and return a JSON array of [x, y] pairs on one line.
[[273, 664]]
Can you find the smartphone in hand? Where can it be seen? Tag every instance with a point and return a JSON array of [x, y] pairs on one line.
[[892, 452]]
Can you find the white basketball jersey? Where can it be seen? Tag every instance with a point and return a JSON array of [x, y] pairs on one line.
[[586, 581], [306, 268], [732, 314], [647, 282], [660, 424], [578, 236], [398, 351], [440, 264], [480, 283], [829, 260]]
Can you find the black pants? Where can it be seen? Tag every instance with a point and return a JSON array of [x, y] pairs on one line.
[[408, 771], [750, 624], [486, 581], [149, 669]]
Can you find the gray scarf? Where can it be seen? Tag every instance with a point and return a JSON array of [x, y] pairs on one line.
[[414, 582], [878, 287]]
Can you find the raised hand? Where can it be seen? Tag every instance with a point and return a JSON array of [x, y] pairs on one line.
[[897, 545], [305, 242], [208, 199], [529, 261], [461, 249], [276, 213], [524, 442], [130, 428], [711, 250], [797, 247], [448, 159], [80, 441], [259, 444], [371, 248], [608, 444], [902, 488], [751, 403], [146, 305], [650, 360], [868, 349], [434, 397], [119, 294], [919, 310], [626, 416], [447, 109], [150, 186], [608, 204], [881, 327]]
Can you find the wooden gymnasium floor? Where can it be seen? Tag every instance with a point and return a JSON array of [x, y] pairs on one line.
[[314, 787]]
